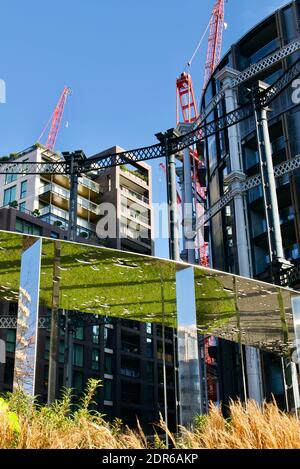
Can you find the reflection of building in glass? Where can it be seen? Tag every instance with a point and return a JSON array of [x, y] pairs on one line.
[[127, 354]]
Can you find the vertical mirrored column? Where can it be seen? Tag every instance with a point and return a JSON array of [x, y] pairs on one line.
[[296, 359], [27, 319], [296, 317], [188, 354]]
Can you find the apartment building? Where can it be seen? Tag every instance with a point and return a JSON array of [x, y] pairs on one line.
[[128, 188], [46, 196]]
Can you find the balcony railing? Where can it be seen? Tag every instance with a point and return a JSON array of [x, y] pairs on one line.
[[65, 193], [132, 193], [133, 234], [52, 209], [55, 189], [87, 204], [94, 186], [130, 372], [134, 214]]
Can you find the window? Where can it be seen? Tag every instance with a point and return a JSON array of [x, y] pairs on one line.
[[149, 350], [23, 189], [95, 334], [107, 390], [148, 327], [79, 333], [78, 381], [47, 348], [149, 371], [95, 359], [52, 234], [78, 355], [10, 340], [109, 183], [27, 227], [9, 371], [10, 195], [46, 375], [61, 353], [108, 337], [107, 363], [10, 178], [22, 207]]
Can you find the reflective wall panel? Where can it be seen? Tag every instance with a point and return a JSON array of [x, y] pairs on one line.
[[188, 354], [27, 319]]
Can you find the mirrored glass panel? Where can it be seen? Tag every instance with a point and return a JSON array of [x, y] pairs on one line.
[[27, 319]]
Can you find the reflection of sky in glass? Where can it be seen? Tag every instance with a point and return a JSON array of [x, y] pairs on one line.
[[186, 309], [28, 318]]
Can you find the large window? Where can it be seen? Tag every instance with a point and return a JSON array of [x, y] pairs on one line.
[[10, 195], [22, 207], [10, 340], [23, 189], [47, 348], [149, 349], [107, 390], [108, 337], [78, 381], [61, 353], [78, 355], [267, 49], [79, 333], [10, 178], [23, 226], [95, 334], [108, 363]]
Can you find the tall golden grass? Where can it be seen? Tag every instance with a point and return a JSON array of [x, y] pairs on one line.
[[24, 424]]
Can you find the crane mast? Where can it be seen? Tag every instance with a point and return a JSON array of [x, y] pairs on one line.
[[215, 38]]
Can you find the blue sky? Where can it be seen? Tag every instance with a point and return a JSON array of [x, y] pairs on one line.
[[121, 59]]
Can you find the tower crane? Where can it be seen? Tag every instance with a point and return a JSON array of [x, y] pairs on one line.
[[55, 119], [186, 98]]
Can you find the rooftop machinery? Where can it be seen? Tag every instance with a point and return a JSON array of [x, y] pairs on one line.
[[193, 173]]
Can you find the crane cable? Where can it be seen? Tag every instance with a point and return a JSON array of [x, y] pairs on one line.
[[189, 63]]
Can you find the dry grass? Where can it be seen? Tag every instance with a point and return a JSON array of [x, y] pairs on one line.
[[24, 424]]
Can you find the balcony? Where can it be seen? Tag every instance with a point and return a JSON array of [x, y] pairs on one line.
[[134, 235], [129, 347], [133, 194], [131, 373], [53, 210], [87, 204], [134, 174], [88, 188], [134, 215], [59, 196]]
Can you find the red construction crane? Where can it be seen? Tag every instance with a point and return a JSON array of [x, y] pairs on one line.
[[186, 98], [215, 37], [56, 119]]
